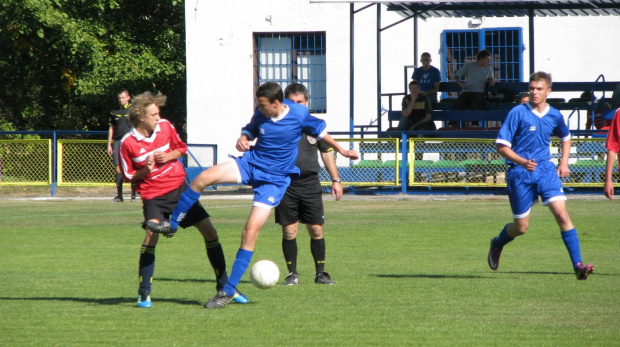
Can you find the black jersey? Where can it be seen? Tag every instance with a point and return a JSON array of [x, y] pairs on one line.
[[119, 119], [308, 159]]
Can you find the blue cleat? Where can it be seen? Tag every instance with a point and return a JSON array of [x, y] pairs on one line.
[[144, 301], [240, 298]]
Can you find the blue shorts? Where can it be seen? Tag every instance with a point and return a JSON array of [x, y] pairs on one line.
[[524, 187], [268, 188]]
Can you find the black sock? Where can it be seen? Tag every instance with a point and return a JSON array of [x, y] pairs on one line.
[[146, 268], [289, 248], [133, 190], [215, 253], [317, 247], [119, 185]]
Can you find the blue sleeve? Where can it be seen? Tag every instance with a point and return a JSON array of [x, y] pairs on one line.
[[508, 129], [251, 129], [313, 126], [437, 77], [561, 130]]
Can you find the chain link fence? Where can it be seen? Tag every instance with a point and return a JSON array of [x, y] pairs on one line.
[[25, 162]]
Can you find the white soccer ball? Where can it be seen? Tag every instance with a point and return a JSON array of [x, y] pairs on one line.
[[264, 274]]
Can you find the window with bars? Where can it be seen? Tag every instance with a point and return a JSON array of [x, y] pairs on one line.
[[293, 57], [505, 44]]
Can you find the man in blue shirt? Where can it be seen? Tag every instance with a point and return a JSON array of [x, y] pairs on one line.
[[429, 78], [524, 140], [277, 124]]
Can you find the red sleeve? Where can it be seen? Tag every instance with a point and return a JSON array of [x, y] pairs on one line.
[[613, 137], [175, 140]]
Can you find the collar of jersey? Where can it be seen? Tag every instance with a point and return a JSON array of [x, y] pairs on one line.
[[540, 115], [140, 137], [280, 117]]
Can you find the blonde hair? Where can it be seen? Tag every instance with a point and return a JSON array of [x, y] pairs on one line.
[[141, 102]]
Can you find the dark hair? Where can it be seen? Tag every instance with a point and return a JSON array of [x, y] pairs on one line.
[[541, 76], [482, 54], [425, 54], [294, 89], [123, 90], [414, 83], [271, 91]]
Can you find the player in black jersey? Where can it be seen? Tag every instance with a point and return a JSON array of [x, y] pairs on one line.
[[303, 201]]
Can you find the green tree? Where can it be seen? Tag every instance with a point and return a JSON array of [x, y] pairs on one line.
[[62, 61]]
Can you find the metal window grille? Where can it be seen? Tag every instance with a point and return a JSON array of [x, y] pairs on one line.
[[286, 58], [505, 44]]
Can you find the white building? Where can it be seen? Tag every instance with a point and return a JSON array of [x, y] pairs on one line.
[[222, 44]]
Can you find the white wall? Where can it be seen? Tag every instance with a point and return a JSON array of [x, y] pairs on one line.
[[220, 71]]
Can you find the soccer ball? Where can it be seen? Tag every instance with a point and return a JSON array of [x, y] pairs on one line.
[[264, 274]]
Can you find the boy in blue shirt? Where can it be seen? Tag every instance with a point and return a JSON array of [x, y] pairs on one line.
[[524, 140], [277, 124]]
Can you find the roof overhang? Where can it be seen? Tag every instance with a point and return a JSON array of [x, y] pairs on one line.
[[497, 8]]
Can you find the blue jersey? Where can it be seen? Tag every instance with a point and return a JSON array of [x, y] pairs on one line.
[[426, 78], [276, 148], [528, 133]]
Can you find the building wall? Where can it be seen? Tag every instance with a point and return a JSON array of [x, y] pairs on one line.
[[220, 57]]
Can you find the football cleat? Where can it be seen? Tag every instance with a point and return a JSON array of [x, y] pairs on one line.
[[133, 198], [493, 258], [323, 278], [240, 298], [117, 199], [291, 280], [582, 271], [220, 300], [144, 301], [163, 228]]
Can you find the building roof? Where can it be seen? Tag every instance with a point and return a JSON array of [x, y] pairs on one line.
[[523, 8]]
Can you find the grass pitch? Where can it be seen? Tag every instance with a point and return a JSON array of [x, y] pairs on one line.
[[408, 271]]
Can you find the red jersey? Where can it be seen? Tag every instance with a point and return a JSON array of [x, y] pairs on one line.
[[135, 148], [613, 137]]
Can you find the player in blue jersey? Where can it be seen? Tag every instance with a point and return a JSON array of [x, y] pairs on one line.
[[524, 140], [267, 166]]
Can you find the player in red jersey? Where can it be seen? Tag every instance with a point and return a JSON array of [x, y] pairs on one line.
[[613, 147], [149, 154]]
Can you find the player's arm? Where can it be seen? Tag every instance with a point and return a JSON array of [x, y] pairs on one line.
[[163, 157], [330, 165], [140, 174], [609, 169], [350, 153], [508, 153], [110, 135], [563, 169]]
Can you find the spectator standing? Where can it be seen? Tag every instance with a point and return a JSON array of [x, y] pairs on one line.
[[429, 78]]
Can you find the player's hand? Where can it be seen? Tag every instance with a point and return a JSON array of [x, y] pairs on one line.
[[530, 165], [243, 143], [351, 154], [110, 150], [563, 171], [161, 157], [150, 162], [609, 189], [337, 190]]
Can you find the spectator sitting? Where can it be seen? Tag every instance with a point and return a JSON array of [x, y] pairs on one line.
[[524, 98], [429, 77], [599, 122], [416, 111]]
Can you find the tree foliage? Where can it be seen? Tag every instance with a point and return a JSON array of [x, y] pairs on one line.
[[63, 61]]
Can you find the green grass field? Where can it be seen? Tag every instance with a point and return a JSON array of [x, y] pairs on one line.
[[408, 272]]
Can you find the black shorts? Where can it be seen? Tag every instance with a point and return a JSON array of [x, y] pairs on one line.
[[161, 207], [302, 202]]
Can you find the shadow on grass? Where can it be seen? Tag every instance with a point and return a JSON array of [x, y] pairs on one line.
[[457, 276], [192, 280], [103, 301], [429, 276]]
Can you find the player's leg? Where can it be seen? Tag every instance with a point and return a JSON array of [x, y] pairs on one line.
[[521, 193], [226, 172], [134, 187], [118, 178], [287, 215], [570, 238], [146, 269]]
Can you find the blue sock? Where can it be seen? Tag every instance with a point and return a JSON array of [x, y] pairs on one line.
[[187, 200], [238, 269], [503, 238], [571, 241]]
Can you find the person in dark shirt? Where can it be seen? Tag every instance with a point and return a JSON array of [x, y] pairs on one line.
[[119, 126], [303, 200], [416, 111]]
